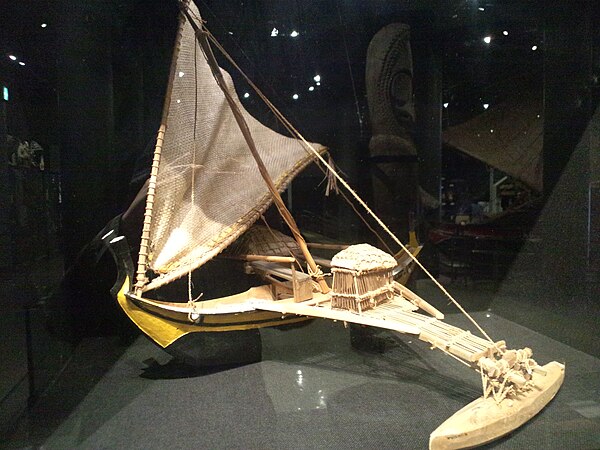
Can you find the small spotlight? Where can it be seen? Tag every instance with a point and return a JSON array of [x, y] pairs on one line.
[[491, 131], [312, 88], [246, 95], [21, 63], [274, 32], [295, 96], [534, 48], [505, 33], [294, 33], [487, 39], [181, 74], [12, 57], [446, 105], [486, 105], [481, 9], [44, 25], [317, 78]]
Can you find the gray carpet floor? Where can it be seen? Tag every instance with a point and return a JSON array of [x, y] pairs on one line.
[[311, 390]]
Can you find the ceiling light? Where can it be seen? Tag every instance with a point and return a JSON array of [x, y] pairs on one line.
[[246, 95], [534, 48], [12, 57], [312, 88], [446, 105], [21, 63], [295, 96], [505, 33], [274, 32], [487, 39], [294, 33], [486, 105], [317, 78], [481, 9], [44, 25]]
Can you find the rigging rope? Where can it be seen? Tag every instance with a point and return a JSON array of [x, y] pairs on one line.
[[364, 220], [360, 121], [193, 314], [343, 182], [281, 241]]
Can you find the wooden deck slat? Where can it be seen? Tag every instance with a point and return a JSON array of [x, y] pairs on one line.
[[398, 315]]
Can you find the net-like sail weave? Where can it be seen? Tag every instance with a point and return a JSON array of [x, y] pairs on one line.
[[208, 188]]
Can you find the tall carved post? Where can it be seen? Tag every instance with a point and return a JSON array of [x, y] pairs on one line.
[[428, 125], [389, 76]]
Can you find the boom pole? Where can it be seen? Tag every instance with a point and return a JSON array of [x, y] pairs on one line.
[[283, 211]]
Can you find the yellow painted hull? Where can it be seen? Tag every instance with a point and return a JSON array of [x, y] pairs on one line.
[[164, 327]]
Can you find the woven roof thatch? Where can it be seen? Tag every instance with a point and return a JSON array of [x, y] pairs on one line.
[[363, 258]]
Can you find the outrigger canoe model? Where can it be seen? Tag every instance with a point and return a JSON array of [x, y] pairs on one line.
[[215, 171]]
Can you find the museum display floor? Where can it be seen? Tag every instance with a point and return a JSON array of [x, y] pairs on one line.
[[313, 390]]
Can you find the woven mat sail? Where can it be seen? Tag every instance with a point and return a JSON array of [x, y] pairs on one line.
[[209, 190]]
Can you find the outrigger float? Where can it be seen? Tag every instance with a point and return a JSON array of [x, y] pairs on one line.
[[215, 171]]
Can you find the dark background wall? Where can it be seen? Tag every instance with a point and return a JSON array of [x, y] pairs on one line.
[[92, 91], [569, 102]]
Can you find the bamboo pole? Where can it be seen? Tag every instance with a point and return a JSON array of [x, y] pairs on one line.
[[275, 259], [145, 238], [283, 211], [420, 302], [320, 245]]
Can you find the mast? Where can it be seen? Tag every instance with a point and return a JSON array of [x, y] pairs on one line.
[[141, 278], [283, 211]]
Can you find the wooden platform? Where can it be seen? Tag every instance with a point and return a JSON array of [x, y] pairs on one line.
[[397, 314]]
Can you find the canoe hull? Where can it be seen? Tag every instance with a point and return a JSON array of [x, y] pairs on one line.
[[484, 420], [165, 327]]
